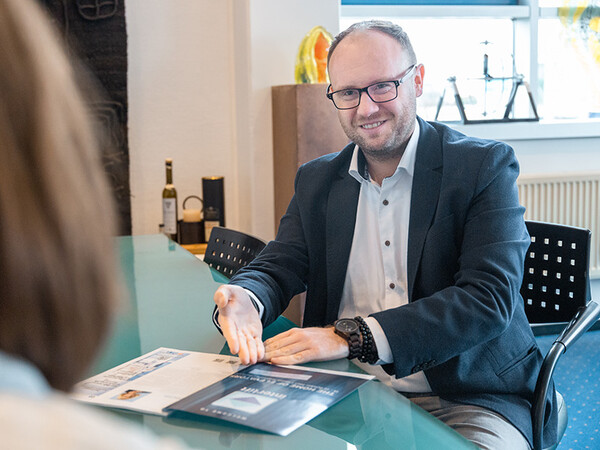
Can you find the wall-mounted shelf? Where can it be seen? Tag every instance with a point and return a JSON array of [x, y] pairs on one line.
[[544, 129]]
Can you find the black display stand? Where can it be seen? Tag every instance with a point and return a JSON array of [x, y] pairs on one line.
[[517, 82]]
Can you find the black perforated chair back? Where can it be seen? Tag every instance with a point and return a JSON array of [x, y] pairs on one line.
[[556, 288], [228, 250], [556, 278]]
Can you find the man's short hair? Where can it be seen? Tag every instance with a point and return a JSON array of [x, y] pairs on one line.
[[383, 26]]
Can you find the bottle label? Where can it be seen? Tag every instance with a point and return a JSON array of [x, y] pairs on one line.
[[170, 215]]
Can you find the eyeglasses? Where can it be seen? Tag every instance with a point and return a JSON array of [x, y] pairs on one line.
[[380, 92]]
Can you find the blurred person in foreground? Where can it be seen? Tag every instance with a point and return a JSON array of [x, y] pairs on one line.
[[58, 281]]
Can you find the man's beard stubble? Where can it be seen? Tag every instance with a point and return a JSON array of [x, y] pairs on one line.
[[393, 149]]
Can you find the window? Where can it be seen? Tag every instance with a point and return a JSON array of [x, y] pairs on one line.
[[554, 48], [569, 60]]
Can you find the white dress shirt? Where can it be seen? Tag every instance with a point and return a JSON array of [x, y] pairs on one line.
[[376, 279]]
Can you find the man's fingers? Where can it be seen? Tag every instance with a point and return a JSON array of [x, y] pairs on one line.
[[293, 347], [300, 345], [283, 339], [244, 352], [260, 349], [230, 333], [286, 350], [252, 350], [296, 358]]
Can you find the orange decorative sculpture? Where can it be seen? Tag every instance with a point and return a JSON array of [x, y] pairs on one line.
[[311, 62]]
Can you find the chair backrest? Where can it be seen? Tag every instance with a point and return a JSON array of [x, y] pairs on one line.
[[556, 279], [228, 250]]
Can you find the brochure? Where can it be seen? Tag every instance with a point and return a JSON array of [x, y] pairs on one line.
[[155, 380], [277, 399]]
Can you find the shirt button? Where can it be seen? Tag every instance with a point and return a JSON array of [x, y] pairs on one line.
[[392, 285], [385, 202], [387, 243]]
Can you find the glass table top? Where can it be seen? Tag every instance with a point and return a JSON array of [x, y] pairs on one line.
[[168, 303]]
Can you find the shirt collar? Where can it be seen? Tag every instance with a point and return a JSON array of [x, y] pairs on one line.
[[21, 377], [358, 165]]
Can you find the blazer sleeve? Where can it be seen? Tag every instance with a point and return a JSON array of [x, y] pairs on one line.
[[467, 289]]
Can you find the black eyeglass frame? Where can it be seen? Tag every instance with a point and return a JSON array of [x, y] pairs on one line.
[[396, 82]]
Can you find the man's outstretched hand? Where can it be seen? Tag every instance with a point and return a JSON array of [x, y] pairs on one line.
[[240, 323]]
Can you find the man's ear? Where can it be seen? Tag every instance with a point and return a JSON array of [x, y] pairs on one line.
[[419, 76]]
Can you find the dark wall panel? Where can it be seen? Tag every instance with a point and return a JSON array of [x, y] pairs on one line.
[[96, 34]]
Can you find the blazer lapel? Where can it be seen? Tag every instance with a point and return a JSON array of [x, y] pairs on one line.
[[341, 217], [424, 197]]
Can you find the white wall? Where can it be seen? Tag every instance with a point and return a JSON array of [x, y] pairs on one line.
[[558, 155], [180, 101], [200, 73], [275, 30]]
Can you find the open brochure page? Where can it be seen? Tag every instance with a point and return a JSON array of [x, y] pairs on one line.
[[277, 399], [155, 380]]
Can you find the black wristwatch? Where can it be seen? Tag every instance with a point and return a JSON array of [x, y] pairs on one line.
[[349, 329]]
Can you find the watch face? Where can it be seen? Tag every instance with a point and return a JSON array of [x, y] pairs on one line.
[[347, 326]]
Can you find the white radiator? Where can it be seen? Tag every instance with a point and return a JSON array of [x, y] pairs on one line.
[[568, 199]]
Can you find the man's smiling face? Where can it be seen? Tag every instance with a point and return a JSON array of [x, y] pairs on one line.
[[361, 59]]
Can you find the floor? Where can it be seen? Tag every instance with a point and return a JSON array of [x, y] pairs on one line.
[[577, 378]]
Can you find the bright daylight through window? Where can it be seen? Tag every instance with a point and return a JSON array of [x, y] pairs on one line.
[[567, 57]]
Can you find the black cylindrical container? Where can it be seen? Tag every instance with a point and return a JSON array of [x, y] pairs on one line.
[[213, 193]]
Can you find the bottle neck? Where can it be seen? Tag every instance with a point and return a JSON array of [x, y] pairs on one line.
[[169, 174]]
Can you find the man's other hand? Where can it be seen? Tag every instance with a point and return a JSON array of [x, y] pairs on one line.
[[300, 345], [240, 323]]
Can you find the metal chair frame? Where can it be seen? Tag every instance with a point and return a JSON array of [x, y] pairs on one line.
[[556, 288]]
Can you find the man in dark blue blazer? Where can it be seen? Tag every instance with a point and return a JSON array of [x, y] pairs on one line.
[[416, 229]]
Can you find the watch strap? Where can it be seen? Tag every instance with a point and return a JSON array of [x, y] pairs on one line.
[[354, 345]]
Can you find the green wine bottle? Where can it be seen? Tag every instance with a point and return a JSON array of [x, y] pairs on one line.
[[169, 203]]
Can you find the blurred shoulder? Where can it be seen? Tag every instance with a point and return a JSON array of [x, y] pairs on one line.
[[34, 423]]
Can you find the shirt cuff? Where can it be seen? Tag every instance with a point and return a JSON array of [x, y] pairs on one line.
[[257, 303], [383, 346]]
